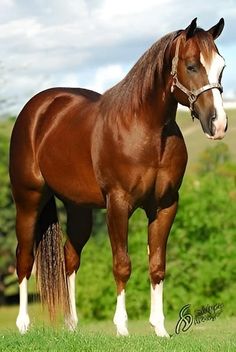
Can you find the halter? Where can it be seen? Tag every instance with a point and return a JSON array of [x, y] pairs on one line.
[[191, 94]]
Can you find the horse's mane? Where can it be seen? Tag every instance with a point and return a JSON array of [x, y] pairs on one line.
[[138, 84]]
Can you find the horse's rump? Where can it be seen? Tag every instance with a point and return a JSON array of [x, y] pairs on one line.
[[57, 125]]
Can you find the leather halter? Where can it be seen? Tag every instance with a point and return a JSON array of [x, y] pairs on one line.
[[191, 94]]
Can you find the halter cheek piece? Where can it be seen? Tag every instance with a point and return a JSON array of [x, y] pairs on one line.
[[191, 94]]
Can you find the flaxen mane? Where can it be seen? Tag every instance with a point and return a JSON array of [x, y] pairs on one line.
[[136, 87]]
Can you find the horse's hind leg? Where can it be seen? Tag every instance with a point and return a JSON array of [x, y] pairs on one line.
[[79, 227], [26, 219]]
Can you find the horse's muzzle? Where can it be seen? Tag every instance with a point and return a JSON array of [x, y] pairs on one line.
[[217, 127]]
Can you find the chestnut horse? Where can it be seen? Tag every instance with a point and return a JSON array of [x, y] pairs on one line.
[[120, 151]]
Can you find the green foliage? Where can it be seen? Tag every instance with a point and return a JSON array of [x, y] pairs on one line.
[[211, 159], [7, 211], [201, 262]]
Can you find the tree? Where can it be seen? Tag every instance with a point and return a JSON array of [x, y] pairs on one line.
[[7, 216]]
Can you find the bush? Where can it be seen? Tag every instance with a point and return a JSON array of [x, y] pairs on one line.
[[7, 218], [201, 252]]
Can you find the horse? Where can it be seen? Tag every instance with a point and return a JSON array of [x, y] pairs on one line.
[[121, 150]]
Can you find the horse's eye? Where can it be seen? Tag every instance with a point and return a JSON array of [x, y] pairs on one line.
[[192, 68]]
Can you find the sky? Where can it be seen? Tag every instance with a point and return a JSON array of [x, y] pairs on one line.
[[94, 43]]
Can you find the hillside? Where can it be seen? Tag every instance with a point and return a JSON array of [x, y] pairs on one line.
[[196, 141]]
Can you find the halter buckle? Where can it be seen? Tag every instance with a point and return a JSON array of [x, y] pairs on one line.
[[192, 98]]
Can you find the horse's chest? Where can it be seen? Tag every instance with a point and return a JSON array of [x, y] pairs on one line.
[[139, 163]]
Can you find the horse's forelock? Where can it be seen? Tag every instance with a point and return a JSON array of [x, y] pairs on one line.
[[205, 44]]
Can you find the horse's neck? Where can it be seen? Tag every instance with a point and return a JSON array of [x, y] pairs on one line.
[[155, 109], [161, 108]]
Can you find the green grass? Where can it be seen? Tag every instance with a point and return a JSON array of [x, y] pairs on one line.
[[219, 335], [212, 336]]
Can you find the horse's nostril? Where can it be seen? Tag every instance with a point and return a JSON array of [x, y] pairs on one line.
[[212, 125], [213, 118], [226, 126]]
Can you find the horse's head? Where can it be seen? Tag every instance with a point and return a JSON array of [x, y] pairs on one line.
[[197, 68]]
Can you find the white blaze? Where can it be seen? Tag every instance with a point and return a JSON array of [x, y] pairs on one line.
[[214, 70]]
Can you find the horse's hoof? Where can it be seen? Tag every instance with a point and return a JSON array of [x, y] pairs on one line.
[[23, 322], [71, 324], [161, 332], [122, 330]]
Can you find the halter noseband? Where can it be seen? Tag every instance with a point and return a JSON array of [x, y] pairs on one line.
[[191, 94]]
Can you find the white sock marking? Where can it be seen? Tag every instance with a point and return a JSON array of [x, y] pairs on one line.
[[120, 317], [157, 316], [23, 321], [72, 320]]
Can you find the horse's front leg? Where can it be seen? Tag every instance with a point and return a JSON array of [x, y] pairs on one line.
[[160, 222], [117, 221]]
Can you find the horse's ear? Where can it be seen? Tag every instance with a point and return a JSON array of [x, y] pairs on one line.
[[191, 29], [216, 30]]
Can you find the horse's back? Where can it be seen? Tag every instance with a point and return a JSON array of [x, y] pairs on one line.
[[48, 102], [38, 105]]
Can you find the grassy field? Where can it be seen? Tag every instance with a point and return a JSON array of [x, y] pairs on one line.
[[219, 335]]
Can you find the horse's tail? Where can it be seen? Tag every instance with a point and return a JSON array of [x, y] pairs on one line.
[[50, 263]]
